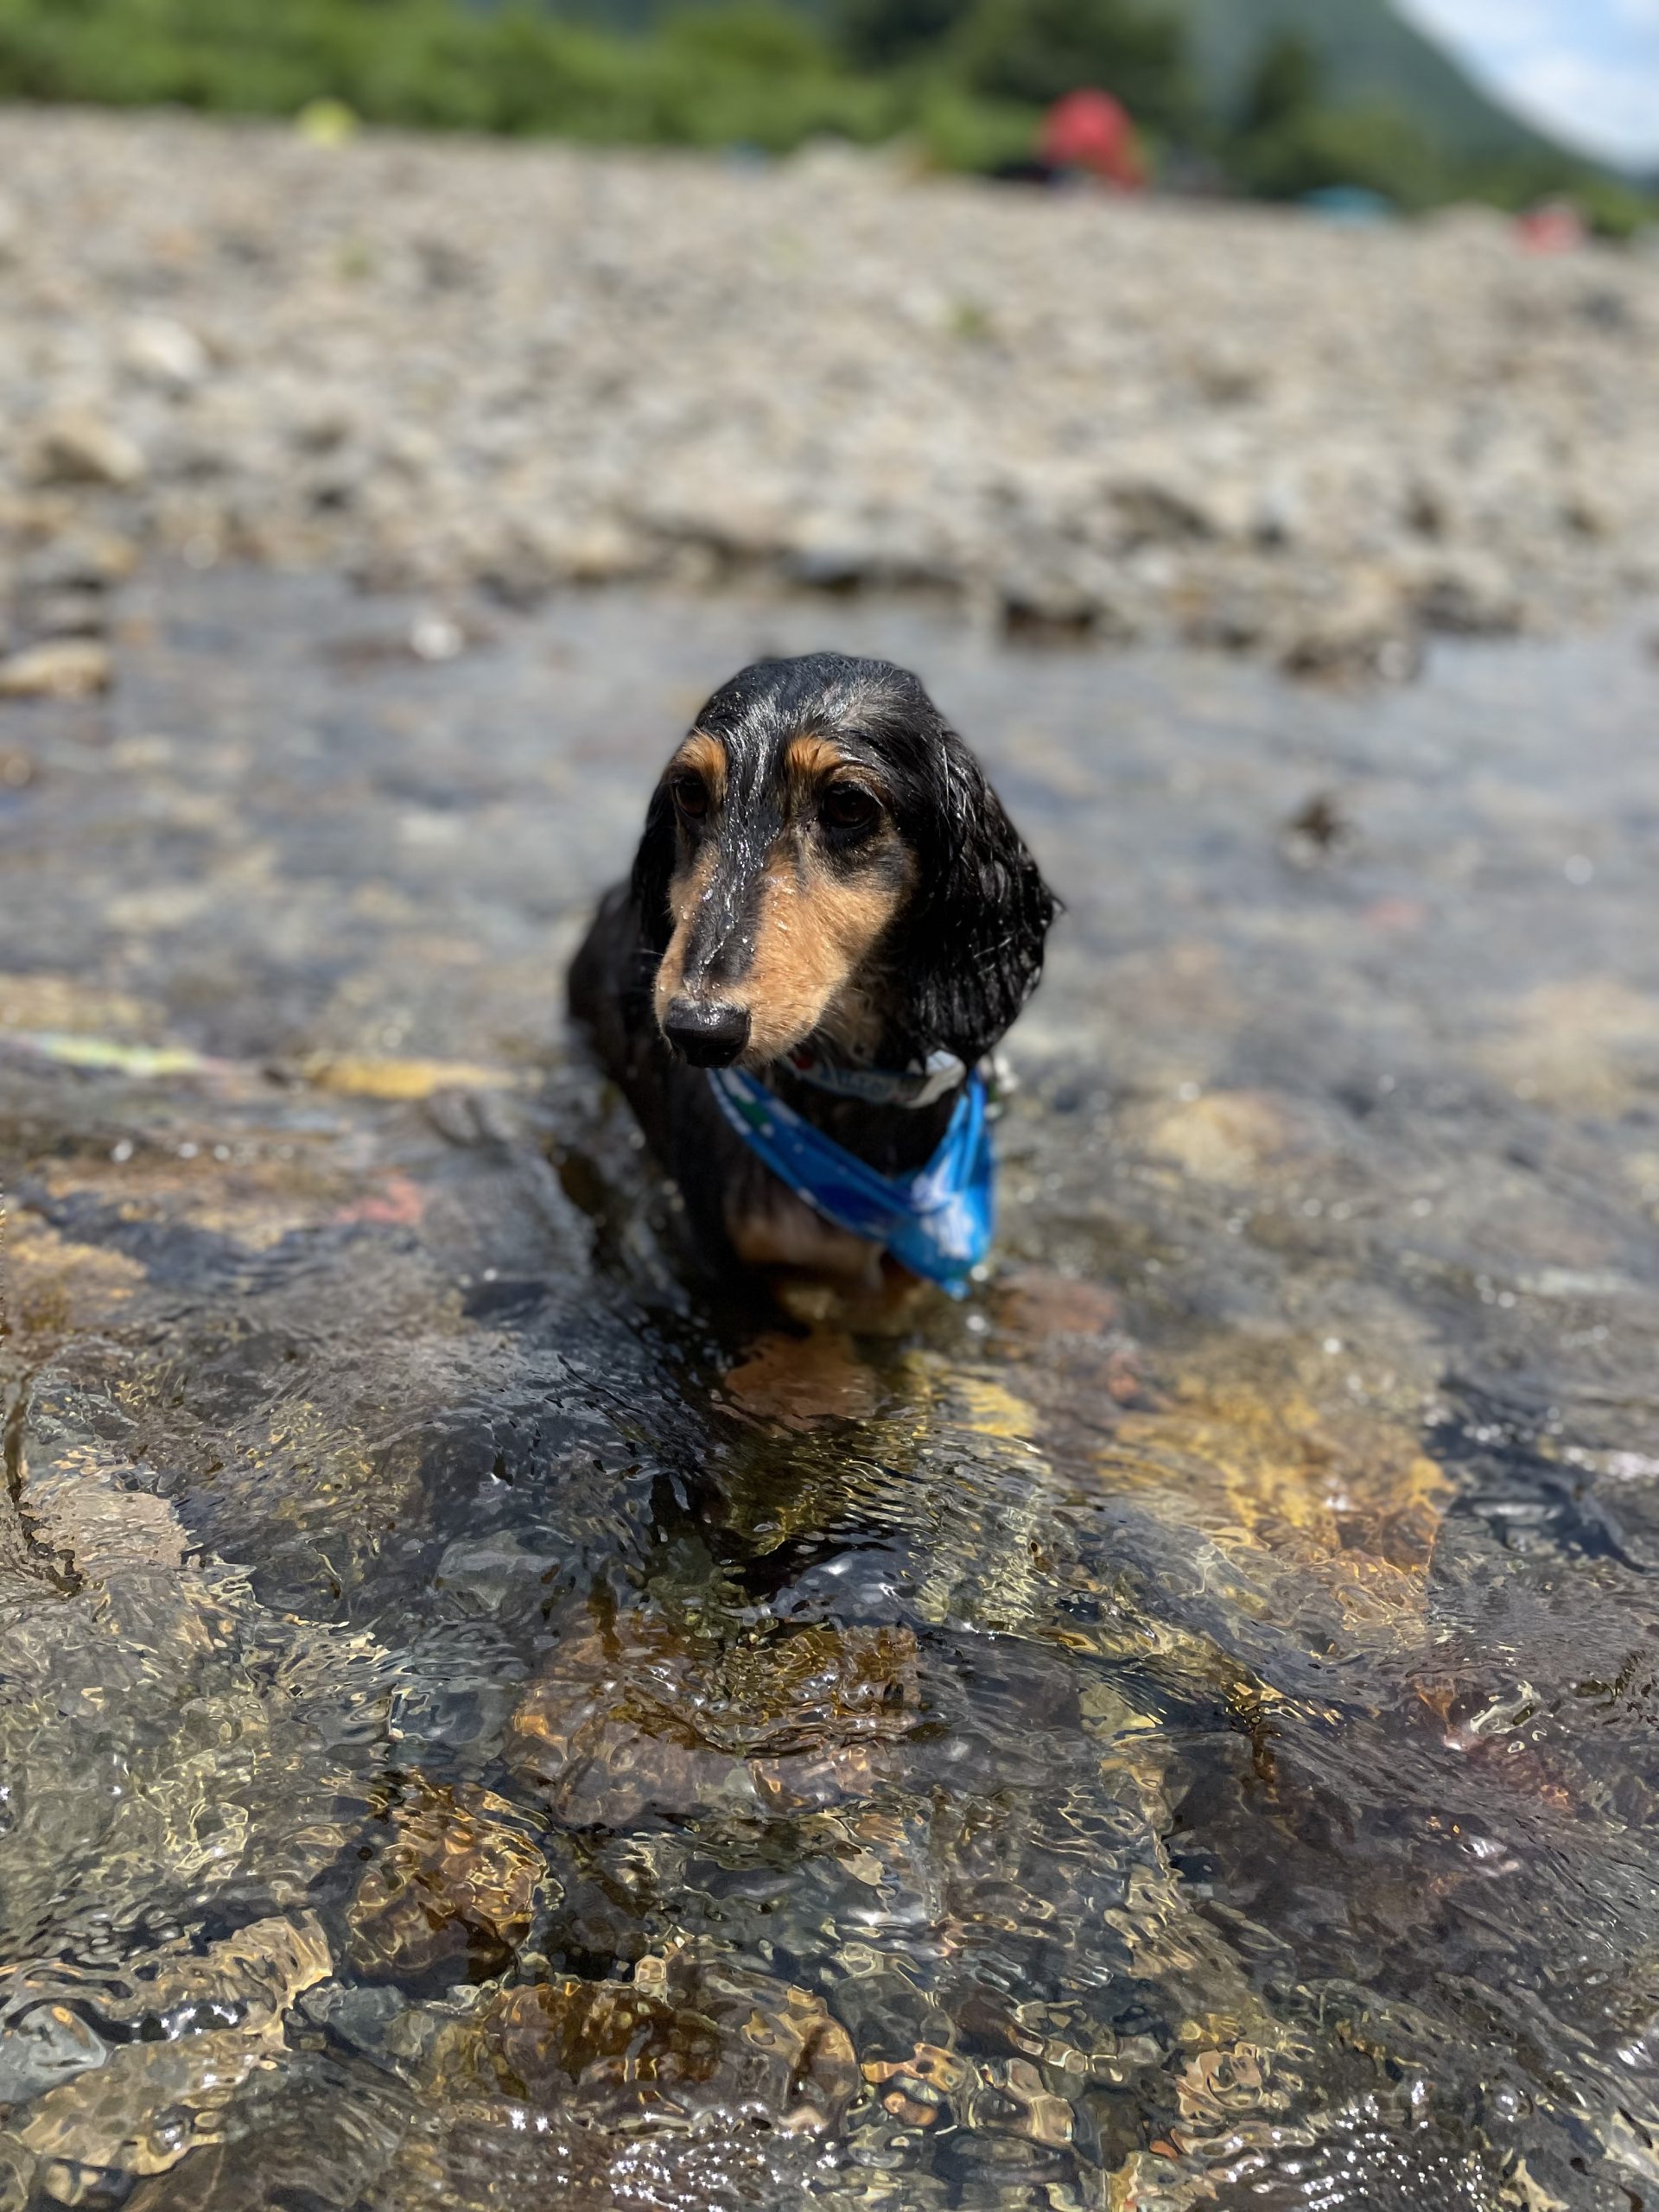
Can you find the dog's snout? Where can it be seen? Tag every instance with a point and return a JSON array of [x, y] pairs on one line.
[[709, 1036]]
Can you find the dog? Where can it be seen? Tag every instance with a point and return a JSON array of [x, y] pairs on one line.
[[830, 926]]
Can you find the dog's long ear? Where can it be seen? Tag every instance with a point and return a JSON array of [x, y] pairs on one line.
[[974, 951], [653, 865]]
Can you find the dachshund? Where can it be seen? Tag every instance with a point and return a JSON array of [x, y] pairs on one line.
[[829, 904]]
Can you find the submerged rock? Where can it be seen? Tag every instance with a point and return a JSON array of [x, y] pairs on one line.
[[456, 1879], [637, 1720], [144, 2104], [693, 2034]]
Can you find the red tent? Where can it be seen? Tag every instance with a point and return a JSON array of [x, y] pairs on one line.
[[1092, 131]]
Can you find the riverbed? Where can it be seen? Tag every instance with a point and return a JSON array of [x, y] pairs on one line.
[[439, 362], [484, 1724]]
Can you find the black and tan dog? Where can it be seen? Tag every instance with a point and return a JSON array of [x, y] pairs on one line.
[[826, 881]]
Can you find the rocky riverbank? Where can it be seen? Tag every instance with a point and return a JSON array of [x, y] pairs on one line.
[[451, 364]]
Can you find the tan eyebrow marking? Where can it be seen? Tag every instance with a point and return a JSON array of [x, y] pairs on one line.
[[704, 756], [812, 757]]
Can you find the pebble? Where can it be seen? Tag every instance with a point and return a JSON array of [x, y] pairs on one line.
[[1086, 417], [83, 448], [166, 353], [62, 668], [67, 614]]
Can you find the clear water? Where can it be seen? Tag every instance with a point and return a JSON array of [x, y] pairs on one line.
[[480, 1727]]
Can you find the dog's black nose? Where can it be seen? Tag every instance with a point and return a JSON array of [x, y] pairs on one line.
[[707, 1036]]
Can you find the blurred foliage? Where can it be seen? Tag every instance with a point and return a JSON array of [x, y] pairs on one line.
[[1289, 140], [964, 81], [1285, 83], [751, 72], [1372, 145], [874, 34], [1035, 50]]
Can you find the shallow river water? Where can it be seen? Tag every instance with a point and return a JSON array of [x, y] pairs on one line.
[[480, 1725]]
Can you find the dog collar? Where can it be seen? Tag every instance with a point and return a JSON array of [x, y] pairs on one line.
[[936, 1221], [939, 1076]]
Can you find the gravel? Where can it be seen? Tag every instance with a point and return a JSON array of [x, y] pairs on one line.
[[444, 363]]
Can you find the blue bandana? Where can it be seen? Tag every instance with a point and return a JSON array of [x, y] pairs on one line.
[[936, 1222]]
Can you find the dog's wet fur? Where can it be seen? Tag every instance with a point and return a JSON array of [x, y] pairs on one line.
[[824, 864]]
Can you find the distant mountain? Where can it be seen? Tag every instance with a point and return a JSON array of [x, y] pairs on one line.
[[1368, 52]]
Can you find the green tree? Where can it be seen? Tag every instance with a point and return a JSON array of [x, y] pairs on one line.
[[1374, 146], [1284, 82], [1290, 141], [1036, 50], [876, 34], [756, 35]]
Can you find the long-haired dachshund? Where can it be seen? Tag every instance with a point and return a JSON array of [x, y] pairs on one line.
[[829, 924]]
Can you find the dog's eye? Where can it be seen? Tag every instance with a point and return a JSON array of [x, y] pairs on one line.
[[691, 795], [848, 808]]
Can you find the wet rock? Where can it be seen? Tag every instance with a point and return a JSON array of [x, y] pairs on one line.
[[64, 668], [365, 2016], [923, 2090], [693, 2036], [1171, 504], [457, 1878], [67, 614], [83, 448], [619, 1897], [1035, 1306], [1366, 629], [46, 2046], [483, 1570], [1318, 832], [1589, 1046], [1012, 2098], [368, 1076], [151, 2101], [638, 1721], [1226, 1136], [1468, 594], [76, 560], [603, 1768], [1068, 1341], [149, 2106], [483, 2155], [1039, 615], [799, 1382], [1288, 1474]]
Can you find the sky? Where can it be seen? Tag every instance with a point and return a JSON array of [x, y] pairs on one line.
[[1587, 70]]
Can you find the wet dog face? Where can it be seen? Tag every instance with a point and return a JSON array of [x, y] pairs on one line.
[[789, 873], [812, 845]]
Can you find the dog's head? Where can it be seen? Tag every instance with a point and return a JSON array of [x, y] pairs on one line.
[[824, 854]]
